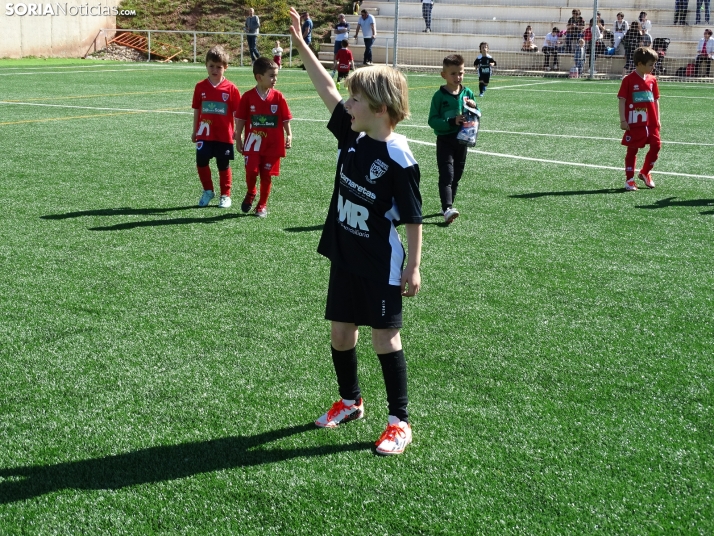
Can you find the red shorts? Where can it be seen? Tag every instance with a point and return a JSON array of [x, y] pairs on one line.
[[638, 137], [259, 164], [278, 60]]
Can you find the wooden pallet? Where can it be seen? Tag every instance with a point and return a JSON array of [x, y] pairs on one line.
[[141, 43]]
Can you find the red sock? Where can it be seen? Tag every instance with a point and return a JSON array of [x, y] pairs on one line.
[[650, 159], [250, 181], [630, 162], [226, 179], [204, 175], [266, 183]]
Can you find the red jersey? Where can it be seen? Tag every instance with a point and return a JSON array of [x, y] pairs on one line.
[[641, 95], [344, 60], [264, 120], [217, 106]]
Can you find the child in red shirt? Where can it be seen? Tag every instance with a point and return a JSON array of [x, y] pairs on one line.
[[345, 62], [639, 117], [215, 101], [264, 113]]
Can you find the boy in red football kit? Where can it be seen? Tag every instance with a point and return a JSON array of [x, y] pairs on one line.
[[215, 101], [639, 116], [264, 113], [345, 62]]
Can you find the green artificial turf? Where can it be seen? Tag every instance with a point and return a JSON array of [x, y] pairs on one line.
[[163, 364]]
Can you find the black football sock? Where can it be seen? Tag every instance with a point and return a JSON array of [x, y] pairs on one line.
[[394, 370], [345, 363]]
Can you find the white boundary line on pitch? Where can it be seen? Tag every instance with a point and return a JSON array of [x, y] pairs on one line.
[[561, 163], [432, 144], [546, 135], [103, 109], [524, 85], [94, 108], [607, 94]]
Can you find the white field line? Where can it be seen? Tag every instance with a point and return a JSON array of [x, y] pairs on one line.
[[567, 136], [662, 96], [94, 108], [420, 142], [562, 163]]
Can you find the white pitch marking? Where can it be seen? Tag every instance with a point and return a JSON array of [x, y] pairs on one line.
[[561, 163], [476, 151], [94, 108]]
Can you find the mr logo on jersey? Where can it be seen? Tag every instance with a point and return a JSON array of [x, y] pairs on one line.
[[352, 214], [377, 169]]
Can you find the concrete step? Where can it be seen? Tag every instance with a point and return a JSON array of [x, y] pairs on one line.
[[507, 60], [513, 27], [497, 43]]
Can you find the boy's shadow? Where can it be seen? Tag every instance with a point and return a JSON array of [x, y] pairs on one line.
[[128, 211], [157, 464], [669, 202], [535, 195], [123, 211], [437, 223]]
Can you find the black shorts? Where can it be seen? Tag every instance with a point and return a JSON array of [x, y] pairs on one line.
[[221, 151], [357, 300]]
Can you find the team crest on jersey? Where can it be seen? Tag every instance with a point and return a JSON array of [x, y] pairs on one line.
[[377, 169], [225, 97], [273, 108], [252, 108], [636, 87], [268, 166]]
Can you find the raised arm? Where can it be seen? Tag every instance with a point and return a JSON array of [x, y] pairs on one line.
[[320, 78]]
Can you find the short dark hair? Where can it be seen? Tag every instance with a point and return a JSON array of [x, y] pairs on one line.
[[453, 60], [482, 43], [555, 29], [364, 11], [217, 55], [263, 65], [344, 43], [644, 54]]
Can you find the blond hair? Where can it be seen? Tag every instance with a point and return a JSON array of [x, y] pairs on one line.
[[382, 86]]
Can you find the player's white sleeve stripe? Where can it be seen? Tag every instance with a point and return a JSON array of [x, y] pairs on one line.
[[398, 149], [397, 255]]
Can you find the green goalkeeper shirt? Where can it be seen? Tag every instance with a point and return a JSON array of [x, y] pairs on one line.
[[445, 107]]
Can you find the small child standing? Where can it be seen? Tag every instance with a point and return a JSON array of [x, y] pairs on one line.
[[215, 101], [375, 189], [580, 56], [278, 55], [445, 118], [264, 113], [639, 116], [345, 62], [484, 65]]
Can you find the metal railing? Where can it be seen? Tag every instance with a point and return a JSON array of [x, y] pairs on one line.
[[195, 39]]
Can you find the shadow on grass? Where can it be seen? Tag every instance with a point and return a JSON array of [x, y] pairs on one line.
[[439, 223], [128, 211], [124, 211], [158, 464], [305, 229], [670, 202], [175, 221], [535, 195]]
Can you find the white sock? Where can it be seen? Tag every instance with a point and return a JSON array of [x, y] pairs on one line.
[[348, 402]]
